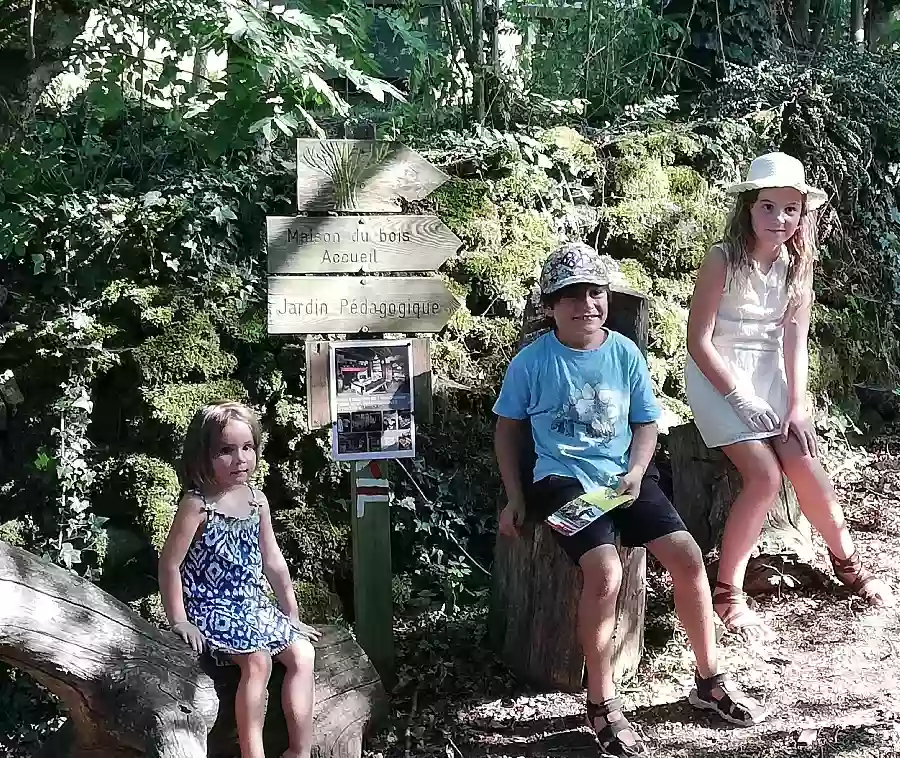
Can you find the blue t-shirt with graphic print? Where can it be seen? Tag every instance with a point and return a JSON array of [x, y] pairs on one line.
[[581, 404]]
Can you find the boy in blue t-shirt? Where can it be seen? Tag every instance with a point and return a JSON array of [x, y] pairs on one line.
[[587, 394]]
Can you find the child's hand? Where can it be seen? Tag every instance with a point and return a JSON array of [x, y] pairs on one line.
[[511, 518], [310, 632], [755, 412], [190, 634], [797, 422], [630, 484]]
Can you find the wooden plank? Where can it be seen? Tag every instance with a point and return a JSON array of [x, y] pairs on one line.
[[370, 526], [350, 244], [318, 398], [423, 397], [317, 395], [345, 305], [361, 175]]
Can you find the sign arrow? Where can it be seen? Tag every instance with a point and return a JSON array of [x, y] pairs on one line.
[[361, 175], [350, 244], [347, 305]]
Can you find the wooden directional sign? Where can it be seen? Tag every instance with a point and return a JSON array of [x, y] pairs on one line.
[[347, 305], [361, 175], [349, 244]]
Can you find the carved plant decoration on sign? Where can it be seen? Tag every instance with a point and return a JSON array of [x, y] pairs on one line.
[[348, 166]]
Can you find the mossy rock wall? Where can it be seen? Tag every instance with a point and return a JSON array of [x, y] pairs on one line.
[[174, 337]]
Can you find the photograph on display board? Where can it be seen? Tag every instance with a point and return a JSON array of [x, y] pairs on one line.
[[372, 400]]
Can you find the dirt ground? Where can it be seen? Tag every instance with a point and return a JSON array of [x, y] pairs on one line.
[[831, 680]]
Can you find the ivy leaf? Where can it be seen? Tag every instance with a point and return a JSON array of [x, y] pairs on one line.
[[222, 214], [69, 555], [84, 402], [153, 198]]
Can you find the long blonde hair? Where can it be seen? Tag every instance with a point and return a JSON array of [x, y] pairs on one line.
[[203, 438], [739, 239]]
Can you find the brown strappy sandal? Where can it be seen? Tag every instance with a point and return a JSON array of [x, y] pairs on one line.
[[737, 615], [615, 735], [851, 573]]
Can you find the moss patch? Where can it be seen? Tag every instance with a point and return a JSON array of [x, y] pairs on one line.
[[13, 533], [147, 490], [466, 207], [173, 406], [185, 351], [502, 273], [317, 604]]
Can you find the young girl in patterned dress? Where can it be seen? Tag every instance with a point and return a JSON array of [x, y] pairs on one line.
[[746, 377], [211, 577]]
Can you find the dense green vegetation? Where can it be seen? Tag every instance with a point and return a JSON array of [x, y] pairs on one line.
[[132, 258]]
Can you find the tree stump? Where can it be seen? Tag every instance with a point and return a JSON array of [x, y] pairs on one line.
[[133, 690], [535, 587], [705, 484]]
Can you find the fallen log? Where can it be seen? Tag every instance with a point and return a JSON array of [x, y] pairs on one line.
[[134, 690]]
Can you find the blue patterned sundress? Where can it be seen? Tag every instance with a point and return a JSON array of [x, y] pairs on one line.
[[224, 595]]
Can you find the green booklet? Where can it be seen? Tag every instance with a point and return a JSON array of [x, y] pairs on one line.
[[578, 513]]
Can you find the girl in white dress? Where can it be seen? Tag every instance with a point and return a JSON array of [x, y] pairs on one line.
[[746, 377]]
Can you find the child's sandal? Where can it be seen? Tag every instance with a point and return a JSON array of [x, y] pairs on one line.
[[616, 736], [730, 604], [722, 695], [851, 573]]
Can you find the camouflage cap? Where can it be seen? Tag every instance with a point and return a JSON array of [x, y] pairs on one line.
[[573, 263]]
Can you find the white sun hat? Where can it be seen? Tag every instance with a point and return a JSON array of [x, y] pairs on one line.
[[779, 170]]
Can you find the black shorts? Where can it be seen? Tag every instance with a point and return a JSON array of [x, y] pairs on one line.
[[648, 518]]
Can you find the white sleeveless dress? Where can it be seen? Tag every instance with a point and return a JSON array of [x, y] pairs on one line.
[[748, 335]]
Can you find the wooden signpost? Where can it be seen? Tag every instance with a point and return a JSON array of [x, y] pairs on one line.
[[361, 175], [345, 305], [349, 244], [317, 285]]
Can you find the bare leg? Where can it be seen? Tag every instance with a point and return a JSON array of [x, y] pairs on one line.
[[297, 697], [602, 572], [680, 555], [819, 503], [762, 476], [250, 702]]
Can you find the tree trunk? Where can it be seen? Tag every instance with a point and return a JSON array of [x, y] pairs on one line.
[[705, 484], [857, 15], [535, 586], [133, 690], [29, 61], [534, 606], [800, 21], [478, 59]]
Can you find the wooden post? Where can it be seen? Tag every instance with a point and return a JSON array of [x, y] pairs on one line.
[[370, 523], [535, 587]]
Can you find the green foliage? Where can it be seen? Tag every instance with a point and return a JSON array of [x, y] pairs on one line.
[[173, 406], [184, 351], [610, 54], [147, 490], [13, 532], [284, 52]]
